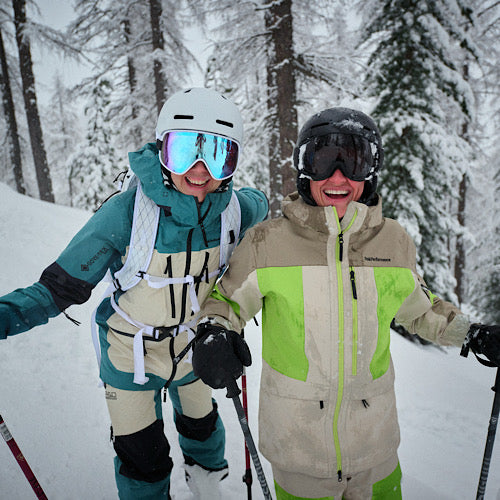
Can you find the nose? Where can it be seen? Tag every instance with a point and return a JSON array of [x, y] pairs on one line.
[[199, 167], [338, 177]]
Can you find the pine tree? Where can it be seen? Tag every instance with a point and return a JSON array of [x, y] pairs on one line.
[[61, 120], [485, 196], [277, 60], [139, 47], [95, 164], [14, 147], [30, 102], [422, 103]]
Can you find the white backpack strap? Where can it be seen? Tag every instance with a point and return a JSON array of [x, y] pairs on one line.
[[142, 241], [130, 181], [229, 231], [93, 323]]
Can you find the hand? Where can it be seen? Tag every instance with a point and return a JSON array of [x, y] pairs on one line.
[[219, 355], [484, 339]]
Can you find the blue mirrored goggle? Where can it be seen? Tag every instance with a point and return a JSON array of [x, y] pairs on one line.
[[181, 149]]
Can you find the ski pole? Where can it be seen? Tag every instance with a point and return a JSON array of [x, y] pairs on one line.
[[21, 460], [490, 440], [233, 392], [247, 478]]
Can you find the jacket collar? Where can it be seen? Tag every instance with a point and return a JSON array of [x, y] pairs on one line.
[[325, 220]]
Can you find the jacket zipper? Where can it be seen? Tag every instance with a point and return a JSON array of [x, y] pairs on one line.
[[340, 389], [339, 254]]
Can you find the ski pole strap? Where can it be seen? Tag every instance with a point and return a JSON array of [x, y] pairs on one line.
[[465, 351], [21, 460], [175, 361]]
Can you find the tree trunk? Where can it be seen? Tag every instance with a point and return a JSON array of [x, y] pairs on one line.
[[156, 11], [30, 104], [10, 118], [460, 245], [462, 193], [281, 102], [132, 84], [132, 80]]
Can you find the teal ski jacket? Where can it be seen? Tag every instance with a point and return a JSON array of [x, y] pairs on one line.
[[187, 243]]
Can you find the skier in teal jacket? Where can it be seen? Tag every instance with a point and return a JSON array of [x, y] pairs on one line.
[[185, 181]]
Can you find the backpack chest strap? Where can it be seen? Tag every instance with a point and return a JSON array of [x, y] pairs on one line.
[[148, 331]]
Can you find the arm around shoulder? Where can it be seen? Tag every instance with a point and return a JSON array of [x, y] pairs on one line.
[[254, 206]]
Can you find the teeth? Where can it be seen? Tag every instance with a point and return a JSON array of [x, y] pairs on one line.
[[336, 191], [196, 182]]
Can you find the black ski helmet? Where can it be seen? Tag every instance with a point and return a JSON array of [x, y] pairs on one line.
[[340, 121]]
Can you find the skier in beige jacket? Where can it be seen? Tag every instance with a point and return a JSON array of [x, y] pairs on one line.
[[329, 276]]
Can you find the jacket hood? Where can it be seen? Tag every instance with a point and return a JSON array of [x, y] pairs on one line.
[[146, 166]]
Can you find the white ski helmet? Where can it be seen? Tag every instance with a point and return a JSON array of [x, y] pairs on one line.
[[201, 110]]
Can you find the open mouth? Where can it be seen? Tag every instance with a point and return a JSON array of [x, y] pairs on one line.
[[336, 194], [197, 182]]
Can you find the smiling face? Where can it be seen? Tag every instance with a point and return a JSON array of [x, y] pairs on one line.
[[337, 190], [197, 181]]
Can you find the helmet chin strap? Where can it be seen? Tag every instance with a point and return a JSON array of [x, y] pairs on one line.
[[167, 179]]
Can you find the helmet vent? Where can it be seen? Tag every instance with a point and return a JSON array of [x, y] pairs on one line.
[[222, 122], [320, 124], [183, 117]]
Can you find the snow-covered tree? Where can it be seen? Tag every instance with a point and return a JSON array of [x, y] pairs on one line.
[[277, 60], [21, 30], [12, 143], [62, 123], [30, 101], [422, 103], [144, 56], [95, 164], [485, 193]]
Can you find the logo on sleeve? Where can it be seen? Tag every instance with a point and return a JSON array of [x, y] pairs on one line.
[[102, 251]]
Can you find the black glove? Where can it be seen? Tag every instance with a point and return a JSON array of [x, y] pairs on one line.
[[219, 355], [483, 339]]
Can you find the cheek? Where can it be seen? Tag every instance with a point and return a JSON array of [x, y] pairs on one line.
[[358, 189], [214, 185], [176, 179], [315, 187]]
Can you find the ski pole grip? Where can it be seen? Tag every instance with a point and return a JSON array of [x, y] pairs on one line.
[[465, 346], [232, 389]]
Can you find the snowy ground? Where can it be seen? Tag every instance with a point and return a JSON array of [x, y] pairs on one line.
[[51, 403]]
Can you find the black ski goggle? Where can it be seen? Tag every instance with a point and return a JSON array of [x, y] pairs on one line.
[[321, 156]]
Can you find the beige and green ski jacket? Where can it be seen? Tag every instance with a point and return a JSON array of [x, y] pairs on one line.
[[328, 290]]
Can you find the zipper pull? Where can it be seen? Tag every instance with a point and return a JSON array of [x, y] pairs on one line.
[[353, 283], [341, 246], [339, 474]]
